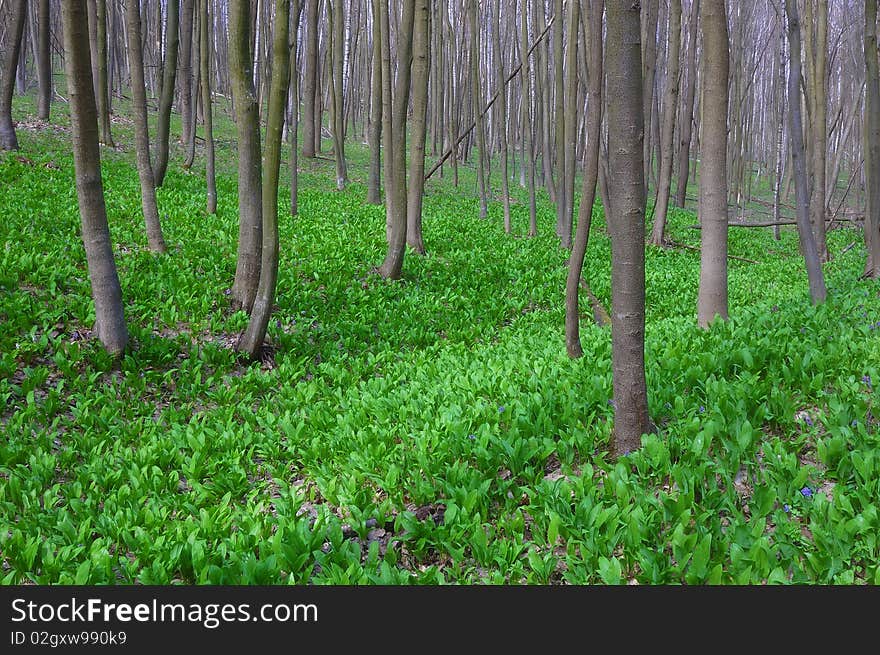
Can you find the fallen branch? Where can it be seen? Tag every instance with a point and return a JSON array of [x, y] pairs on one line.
[[694, 248], [768, 224], [848, 248]]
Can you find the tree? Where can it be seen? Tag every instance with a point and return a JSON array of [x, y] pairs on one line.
[[252, 340], [374, 190], [593, 22], [142, 135], [477, 104], [106, 290], [627, 224], [796, 135], [336, 91], [8, 140], [502, 112], [872, 139], [712, 297], [527, 138], [565, 200], [394, 135], [247, 121], [169, 78], [44, 62], [686, 116], [207, 104], [667, 136], [187, 118], [420, 73], [296, 12], [311, 137], [817, 84]]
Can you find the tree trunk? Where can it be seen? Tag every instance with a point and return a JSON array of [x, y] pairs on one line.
[[247, 116], [296, 11], [310, 80], [374, 187], [819, 123], [528, 140], [8, 140], [565, 201], [418, 126], [205, 38], [712, 297], [796, 136], [106, 290], [477, 103], [169, 78], [502, 110], [872, 140], [44, 62], [141, 128], [650, 16], [395, 137], [337, 106], [627, 224], [252, 340], [686, 118], [591, 175], [668, 131], [187, 15]]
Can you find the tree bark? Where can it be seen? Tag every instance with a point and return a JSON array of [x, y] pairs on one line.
[[8, 139], [106, 290], [374, 186], [205, 39], [336, 97], [252, 340], [310, 80], [247, 116], [418, 126], [142, 135], [796, 136], [872, 141], [661, 203], [187, 121], [44, 62], [627, 224], [712, 296], [477, 103], [686, 117], [565, 201], [591, 176], [502, 110], [527, 130], [169, 78], [296, 11]]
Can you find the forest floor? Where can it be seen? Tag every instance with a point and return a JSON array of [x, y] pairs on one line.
[[428, 430]]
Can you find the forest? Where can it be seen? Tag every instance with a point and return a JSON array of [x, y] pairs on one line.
[[474, 292]]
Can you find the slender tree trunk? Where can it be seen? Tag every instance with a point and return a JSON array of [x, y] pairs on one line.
[[337, 106], [627, 224], [374, 187], [567, 170], [819, 122], [106, 290], [712, 297], [187, 15], [477, 103], [418, 125], [310, 81], [668, 131], [502, 110], [247, 116], [558, 111], [650, 16], [395, 128], [207, 103], [9, 63], [528, 140], [872, 141], [169, 78], [796, 136], [591, 176], [252, 340], [44, 62], [296, 10], [687, 110], [141, 128]]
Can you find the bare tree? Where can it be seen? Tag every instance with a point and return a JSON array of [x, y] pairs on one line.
[[106, 290], [627, 224], [8, 66], [872, 138]]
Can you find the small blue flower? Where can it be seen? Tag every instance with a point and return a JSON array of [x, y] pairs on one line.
[[806, 492], [867, 380], [501, 409], [702, 409], [786, 508], [808, 421], [472, 437], [854, 423]]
